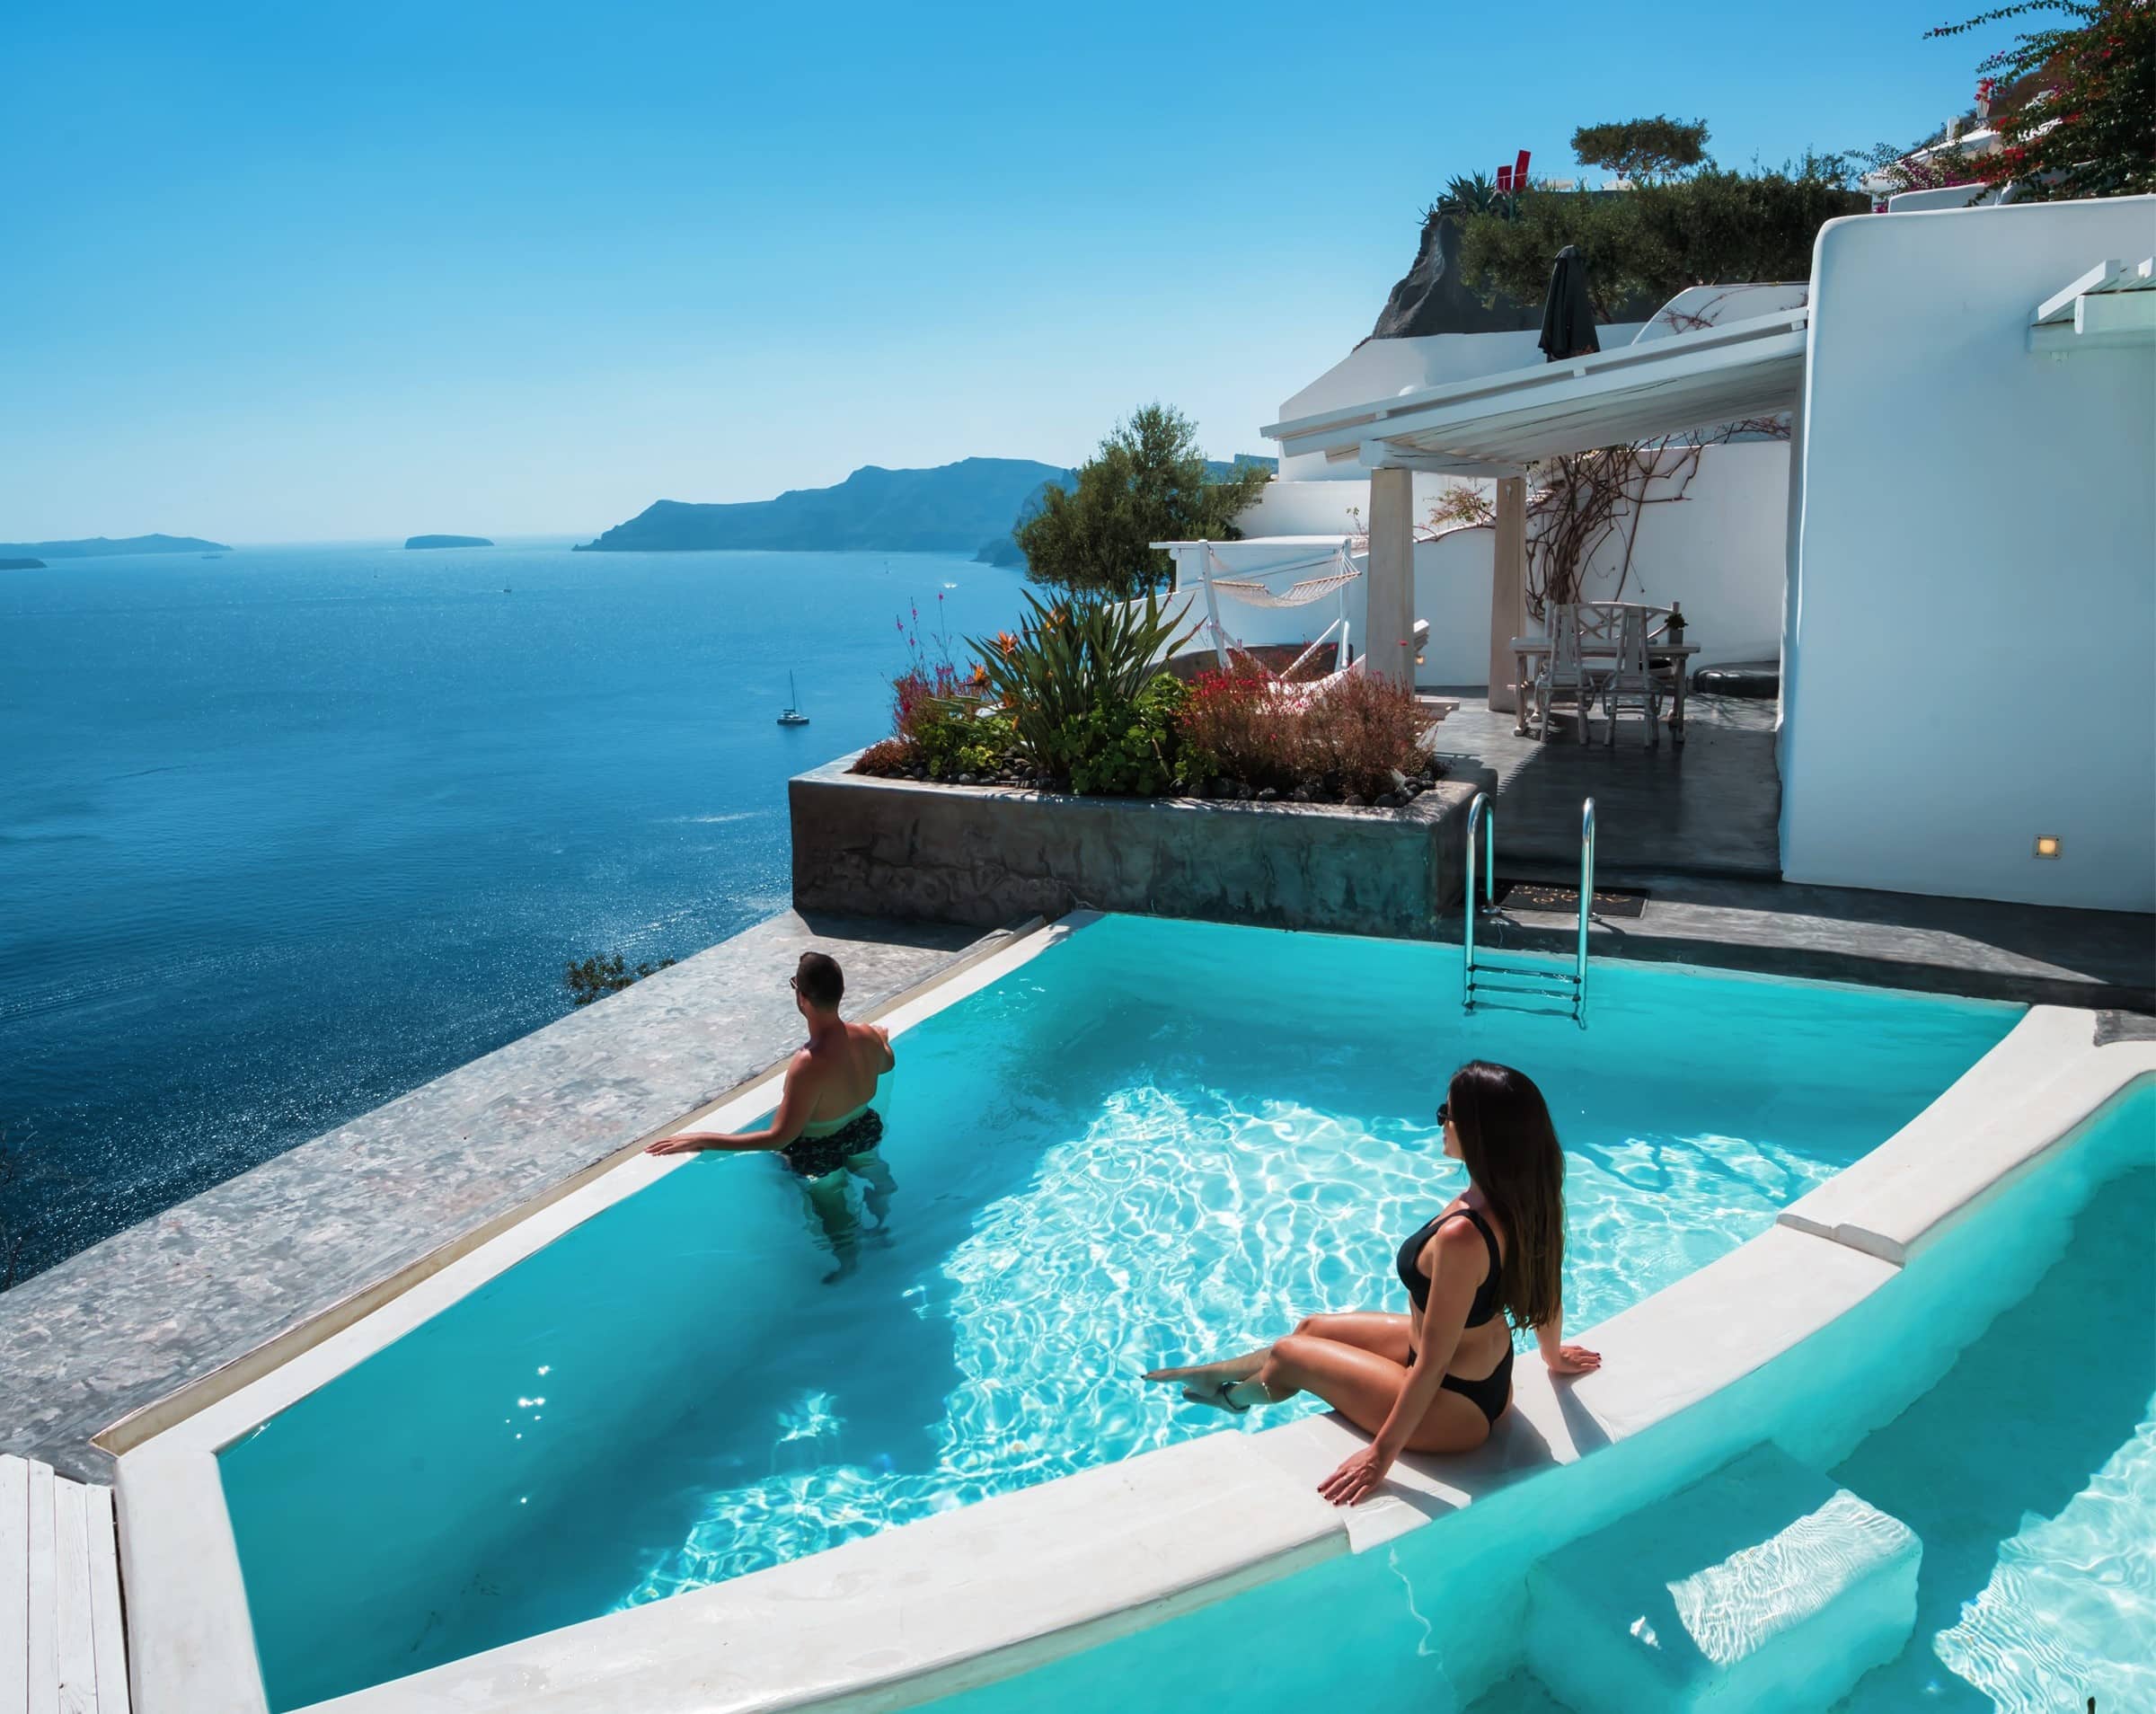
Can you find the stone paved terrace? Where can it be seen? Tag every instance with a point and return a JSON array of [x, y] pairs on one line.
[[129, 1320], [1977, 948], [1708, 807]]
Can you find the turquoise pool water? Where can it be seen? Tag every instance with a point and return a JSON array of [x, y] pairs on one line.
[[1158, 1140], [2029, 1472], [2027, 1468]]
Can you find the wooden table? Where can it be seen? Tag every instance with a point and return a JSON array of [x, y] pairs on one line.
[[1596, 652]]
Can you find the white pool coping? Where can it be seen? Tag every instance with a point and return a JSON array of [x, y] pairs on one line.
[[911, 1614]]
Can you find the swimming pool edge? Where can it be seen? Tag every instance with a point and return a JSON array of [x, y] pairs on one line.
[[1138, 1540]]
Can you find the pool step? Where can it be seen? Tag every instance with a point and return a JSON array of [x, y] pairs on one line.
[[1761, 1588]]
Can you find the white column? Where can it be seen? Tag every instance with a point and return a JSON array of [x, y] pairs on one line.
[[1507, 591], [1389, 626]]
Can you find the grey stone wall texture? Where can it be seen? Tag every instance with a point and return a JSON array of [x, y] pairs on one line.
[[980, 856]]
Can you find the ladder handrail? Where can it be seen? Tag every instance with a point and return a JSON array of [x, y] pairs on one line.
[[1483, 813], [1587, 904], [1483, 818]]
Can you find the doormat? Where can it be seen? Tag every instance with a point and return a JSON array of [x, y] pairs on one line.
[[1540, 896]]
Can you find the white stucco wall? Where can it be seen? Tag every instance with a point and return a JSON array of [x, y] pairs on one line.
[[1721, 551], [1974, 636]]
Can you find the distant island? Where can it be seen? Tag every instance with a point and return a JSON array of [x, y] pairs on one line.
[[953, 508], [21, 565], [98, 547], [446, 541], [971, 507]]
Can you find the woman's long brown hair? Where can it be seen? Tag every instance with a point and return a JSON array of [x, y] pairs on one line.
[[1510, 1149]]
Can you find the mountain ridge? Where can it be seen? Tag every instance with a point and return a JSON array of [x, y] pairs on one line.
[[952, 508], [972, 506], [100, 547]]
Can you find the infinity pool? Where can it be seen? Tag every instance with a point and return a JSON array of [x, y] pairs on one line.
[[1157, 1140]]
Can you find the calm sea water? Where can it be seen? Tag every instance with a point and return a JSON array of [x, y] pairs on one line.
[[286, 832]]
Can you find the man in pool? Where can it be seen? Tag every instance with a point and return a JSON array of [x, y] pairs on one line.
[[823, 1123]]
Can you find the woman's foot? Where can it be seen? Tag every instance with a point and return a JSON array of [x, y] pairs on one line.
[[1225, 1386], [1234, 1397]]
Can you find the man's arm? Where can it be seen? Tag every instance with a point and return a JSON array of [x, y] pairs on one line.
[[796, 1101]]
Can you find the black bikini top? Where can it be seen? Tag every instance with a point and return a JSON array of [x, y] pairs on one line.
[[1485, 1306]]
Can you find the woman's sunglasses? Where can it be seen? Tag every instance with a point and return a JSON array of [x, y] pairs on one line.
[[1445, 1112]]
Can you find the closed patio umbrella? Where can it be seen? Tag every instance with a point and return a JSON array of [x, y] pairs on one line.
[[1567, 317]]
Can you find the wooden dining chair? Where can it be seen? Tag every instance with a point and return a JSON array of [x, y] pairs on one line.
[[1630, 683], [1565, 676]]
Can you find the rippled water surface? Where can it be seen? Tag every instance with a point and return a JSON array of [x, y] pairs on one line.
[[1159, 1142], [286, 832], [2029, 1474]]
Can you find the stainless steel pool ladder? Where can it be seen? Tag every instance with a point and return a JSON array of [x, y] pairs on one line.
[[1528, 975]]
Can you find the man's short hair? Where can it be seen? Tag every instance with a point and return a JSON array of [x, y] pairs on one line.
[[819, 981]]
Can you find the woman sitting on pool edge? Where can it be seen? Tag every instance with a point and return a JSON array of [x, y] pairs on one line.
[[1436, 1379]]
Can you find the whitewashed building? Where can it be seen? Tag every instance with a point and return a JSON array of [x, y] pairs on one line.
[[1954, 557]]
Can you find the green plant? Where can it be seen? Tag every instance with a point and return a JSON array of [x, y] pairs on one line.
[[1472, 193], [1068, 665], [1128, 748], [1713, 227], [955, 735], [1148, 483], [607, 973]]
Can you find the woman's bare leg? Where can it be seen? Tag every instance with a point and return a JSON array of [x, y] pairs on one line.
[[1203, 1382], [1377, 1330], [1363, 1387]]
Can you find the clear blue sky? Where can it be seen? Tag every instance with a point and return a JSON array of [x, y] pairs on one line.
[[297, 272]]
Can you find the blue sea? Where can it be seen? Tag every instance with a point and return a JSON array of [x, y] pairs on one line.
[[288, 832]]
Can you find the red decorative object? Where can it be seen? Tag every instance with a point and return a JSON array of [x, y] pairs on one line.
[[1505, 179], [1519, 171]]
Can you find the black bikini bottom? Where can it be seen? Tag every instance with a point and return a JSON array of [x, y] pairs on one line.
[[1489, 1395], [815, 1157]]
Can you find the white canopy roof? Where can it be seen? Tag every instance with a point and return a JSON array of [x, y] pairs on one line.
[[1496, 424]]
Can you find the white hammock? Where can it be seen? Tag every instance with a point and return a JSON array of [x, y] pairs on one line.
[[1247, 589], [1298, 595]]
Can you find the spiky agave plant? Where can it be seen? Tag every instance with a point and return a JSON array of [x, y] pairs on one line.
[[1069, 659]]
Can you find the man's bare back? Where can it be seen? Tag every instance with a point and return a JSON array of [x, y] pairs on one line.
[[829, 1081]]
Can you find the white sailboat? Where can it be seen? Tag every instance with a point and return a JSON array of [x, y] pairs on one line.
[[793, 716]]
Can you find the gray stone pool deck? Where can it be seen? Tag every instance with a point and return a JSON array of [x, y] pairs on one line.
[[1976, 948], [1710, 806], [130, 1320]]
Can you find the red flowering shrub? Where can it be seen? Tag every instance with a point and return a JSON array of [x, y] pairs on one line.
[[890, 756], [1362, 732], [1352, 736], [1234, 727]]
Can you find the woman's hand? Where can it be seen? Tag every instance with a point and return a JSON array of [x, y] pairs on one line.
[[1573, 1359], [1358, 1477], [687, 1142]]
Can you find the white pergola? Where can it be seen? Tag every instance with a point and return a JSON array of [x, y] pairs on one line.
[[1497, 425]]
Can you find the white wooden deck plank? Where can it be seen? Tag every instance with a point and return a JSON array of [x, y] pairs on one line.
[[108, 1638], [77, 1660], [43, 1629], [15, 1585]]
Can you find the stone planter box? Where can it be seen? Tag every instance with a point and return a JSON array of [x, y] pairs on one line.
[[982, 856]]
